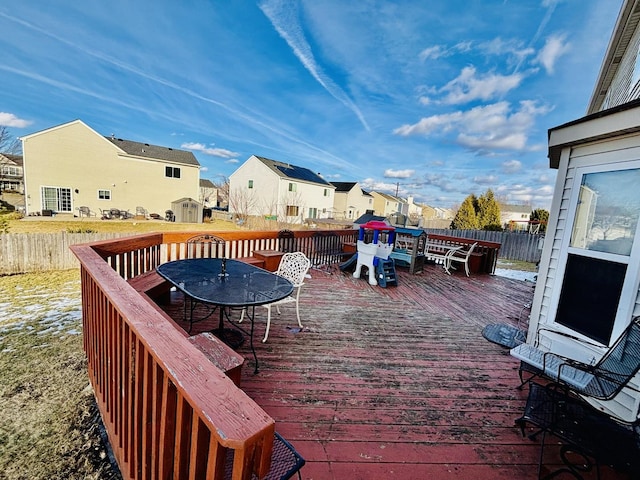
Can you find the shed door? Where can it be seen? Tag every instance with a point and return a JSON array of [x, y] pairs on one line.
[[600, 278]]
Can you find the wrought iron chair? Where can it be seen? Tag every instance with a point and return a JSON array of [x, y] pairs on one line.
[[602, 380], [327, 251], [205, 246], [294, 267], [460, 256], [287, 241]]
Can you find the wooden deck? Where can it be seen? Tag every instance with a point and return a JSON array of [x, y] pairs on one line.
[[396, 382]]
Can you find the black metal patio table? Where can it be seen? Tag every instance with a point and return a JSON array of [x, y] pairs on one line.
[[225, 284]]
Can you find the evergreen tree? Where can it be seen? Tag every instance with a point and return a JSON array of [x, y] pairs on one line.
[[466, 218], [541, 215], [489, 212]]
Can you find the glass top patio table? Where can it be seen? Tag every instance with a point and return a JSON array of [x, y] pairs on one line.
[[224, 284]]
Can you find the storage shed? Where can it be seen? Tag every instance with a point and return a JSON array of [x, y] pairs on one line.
[[187, 210]]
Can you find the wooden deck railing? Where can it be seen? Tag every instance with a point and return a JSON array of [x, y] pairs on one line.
[[168, 411]]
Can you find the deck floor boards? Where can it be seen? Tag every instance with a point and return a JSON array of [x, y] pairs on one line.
[[398, 382]]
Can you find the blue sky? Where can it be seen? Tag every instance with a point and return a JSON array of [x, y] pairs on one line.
[[436, 99]]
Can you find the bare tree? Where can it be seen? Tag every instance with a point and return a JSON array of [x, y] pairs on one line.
[[8, 143], [242, 203]]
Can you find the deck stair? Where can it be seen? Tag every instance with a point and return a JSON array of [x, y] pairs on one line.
[[386, 273]]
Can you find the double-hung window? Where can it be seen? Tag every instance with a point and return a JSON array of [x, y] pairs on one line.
[[104, 194], [172, 172]]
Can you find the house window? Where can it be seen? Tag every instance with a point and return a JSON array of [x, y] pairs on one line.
[[602, 242], [292, 187], [104, 194], [56, 199], [313, 213], [172, 172], [250, 183], [326, 192], [292, 210]]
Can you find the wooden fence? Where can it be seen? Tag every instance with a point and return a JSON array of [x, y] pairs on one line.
[[34, 252]]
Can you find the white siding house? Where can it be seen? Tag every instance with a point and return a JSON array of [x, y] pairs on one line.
[[261, 186], [588, 287]]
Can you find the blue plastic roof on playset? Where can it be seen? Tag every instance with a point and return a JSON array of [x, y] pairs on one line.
[[416, 232]]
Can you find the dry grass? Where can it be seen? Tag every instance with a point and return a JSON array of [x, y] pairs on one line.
[[47, 419], [43, 225]]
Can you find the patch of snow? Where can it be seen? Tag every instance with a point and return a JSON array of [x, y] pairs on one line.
[[517, 274]]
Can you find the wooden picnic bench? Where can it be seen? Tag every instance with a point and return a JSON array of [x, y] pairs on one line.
[[483, 259]]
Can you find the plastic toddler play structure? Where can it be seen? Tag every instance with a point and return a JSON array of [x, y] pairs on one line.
[[375, 255]]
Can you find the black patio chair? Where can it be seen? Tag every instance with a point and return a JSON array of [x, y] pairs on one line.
[[602, 380], [206, 246], [287, 241]]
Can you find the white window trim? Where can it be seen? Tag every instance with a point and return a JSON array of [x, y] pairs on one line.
[[632, 277], [104, 190]]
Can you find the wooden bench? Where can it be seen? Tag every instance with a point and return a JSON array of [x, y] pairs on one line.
[[220, 354], [270, 258], [258, 262], [152, 286], [150, 283]]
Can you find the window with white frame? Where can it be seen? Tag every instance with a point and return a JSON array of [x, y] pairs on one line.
[[104, 194], [250, 183], [293, 187], [595, 273], [292, 210]]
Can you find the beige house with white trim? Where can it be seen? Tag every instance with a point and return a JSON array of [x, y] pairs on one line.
[[351, 201], [71, 166], [292, 194], [385, 204]]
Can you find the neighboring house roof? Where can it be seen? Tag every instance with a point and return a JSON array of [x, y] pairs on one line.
[[15, 159], [388, 197], [156, 152], [204, 183], [515, 208], [343, 186], [286, 170], [367, 217]]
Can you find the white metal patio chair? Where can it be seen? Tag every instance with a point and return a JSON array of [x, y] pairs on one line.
[[294, 267], [460, 256]]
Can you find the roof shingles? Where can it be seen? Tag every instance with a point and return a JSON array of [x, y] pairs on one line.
[[155, 152]]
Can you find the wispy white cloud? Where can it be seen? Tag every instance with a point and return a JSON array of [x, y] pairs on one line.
[[284, 17], [215, 152], [485, 180], [244, 114], [390, 173], [554, 47], [470, 86], [442, 51], [494, 126], [11, 120], [511, 166]]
